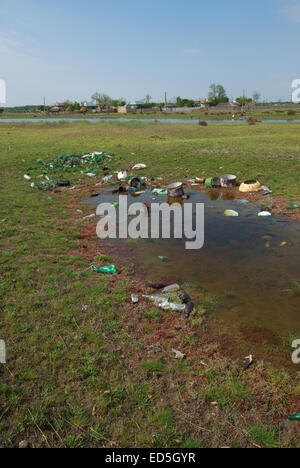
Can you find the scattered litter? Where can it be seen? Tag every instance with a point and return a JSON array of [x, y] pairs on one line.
[[215, 182], [178, 354], [157, 298], [79, 211], [266, 190], [160, 191], [24, 444], [136, 182], [109, 270], [188, 308], [139, 167], [163, 259], [122, 175], [63, 183], [200, 180], [185, 298], [268, 245], [228, 180], [84, 308], [170, 305], [172, 288], [90, 216], [134, 298], [88, 164], [248, 362], [283, 244], [208, 182], [175, 190], [295, 417], [156, 286], [193, 286], [106, 179], [231, 213], [2, 352], [265, 213], [292, 206], [250, 186], [27, 177], [243, 201]]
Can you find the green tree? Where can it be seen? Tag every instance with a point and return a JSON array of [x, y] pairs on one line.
[[243, 100], [118, 102], [256, 96], [184, 102], [103, 100], [217, 94]]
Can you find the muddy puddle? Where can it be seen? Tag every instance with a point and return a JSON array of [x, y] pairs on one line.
[[250, 263]]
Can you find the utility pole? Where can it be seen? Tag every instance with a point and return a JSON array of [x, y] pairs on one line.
[[166, 99], [44, 104]]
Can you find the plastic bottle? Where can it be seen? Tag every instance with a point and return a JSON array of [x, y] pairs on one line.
[[109, 270], [179, 307], [185, 298], [188, 309], [295, 417], [155, 297], [165, 305], [171, 288]]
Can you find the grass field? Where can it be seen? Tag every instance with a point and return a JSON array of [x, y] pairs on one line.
[[82, 369]]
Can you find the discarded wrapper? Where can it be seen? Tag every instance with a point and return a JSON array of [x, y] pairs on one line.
[[134, 298], [2, 352], [178, 354], [138, 167]]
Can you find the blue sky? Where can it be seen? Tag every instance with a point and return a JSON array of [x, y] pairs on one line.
[[68, 49]]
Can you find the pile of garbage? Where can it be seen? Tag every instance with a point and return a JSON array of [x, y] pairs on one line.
[[166, 299], [88, 164]]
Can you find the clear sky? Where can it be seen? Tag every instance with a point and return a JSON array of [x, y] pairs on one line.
[[69, 49]]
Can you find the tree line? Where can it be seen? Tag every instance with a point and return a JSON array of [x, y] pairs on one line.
[[216, 95]]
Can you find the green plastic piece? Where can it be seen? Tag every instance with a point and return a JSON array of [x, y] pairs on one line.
[[108, 270], [160, 192], [292, 206], [295, 417], [193, 286], [163, 259], [208, 182]]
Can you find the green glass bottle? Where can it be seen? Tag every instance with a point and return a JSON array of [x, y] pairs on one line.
[[109, 270], [295, 417]]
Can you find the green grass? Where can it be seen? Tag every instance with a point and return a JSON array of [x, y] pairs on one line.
[[154, 367], [228, 393], [89, 376], [263, 436]]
